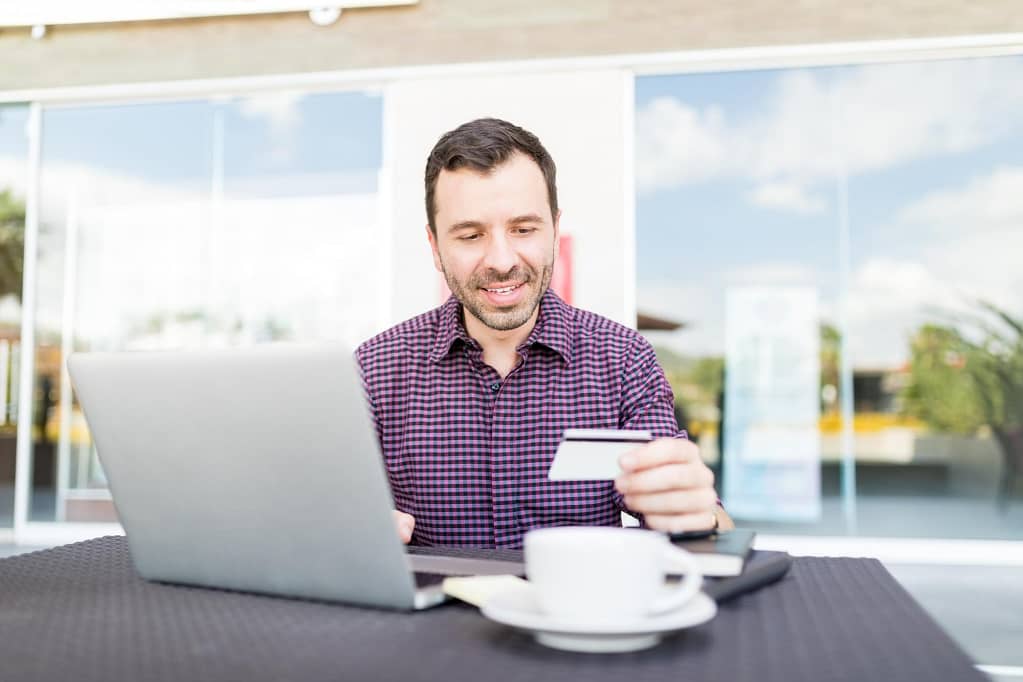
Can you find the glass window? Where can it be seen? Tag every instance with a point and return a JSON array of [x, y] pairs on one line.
[[13, 186], [195, 224], [837, 247]]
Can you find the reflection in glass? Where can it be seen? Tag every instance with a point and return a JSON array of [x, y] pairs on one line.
[[748, 179], [13, 185], [196, 224]]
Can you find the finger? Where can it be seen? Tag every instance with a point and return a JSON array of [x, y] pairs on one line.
[[666, 477], [659, 452], [680, 523], [405, 524], [673, 502]]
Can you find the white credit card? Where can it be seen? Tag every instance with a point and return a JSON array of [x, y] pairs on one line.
[[592, 454]]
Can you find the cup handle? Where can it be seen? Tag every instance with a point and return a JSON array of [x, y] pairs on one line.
[[676, 558]]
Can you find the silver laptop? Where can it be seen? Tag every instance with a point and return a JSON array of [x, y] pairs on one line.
[[255, 470]]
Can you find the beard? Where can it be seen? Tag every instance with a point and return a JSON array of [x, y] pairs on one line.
[[502, 318]]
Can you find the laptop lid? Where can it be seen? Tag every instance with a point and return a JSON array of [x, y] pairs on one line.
[[251, 469]]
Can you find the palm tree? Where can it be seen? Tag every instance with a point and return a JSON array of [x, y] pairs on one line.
[[12, 243], [994, 362]]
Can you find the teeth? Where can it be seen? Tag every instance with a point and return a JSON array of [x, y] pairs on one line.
[[503, 290]]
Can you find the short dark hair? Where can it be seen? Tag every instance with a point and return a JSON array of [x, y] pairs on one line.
[[483, 145]]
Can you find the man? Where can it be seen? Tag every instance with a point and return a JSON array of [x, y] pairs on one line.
[[470, 400]]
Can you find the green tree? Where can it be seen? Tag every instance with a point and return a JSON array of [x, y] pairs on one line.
[[12, 243], [969, 375], [995, 364], [941, 391], [830, 359]]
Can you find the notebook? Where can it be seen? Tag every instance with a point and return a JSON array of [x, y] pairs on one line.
[[722, 554], [762, 568]]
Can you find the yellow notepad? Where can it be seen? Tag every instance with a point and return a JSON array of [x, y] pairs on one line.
[[477, 589]]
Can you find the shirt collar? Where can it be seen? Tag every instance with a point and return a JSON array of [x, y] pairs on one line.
[[450, 329], [553, 328]]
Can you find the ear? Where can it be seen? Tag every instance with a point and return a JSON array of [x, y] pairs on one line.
[[433, 247]]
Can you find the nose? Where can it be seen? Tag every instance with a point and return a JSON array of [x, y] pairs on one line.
[[500, 255]]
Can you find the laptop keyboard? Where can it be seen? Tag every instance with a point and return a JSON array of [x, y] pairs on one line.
[[431, 566], [428, 579], [513, 555]]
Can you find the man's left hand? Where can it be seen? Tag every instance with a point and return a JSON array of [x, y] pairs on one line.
[[669, 484]]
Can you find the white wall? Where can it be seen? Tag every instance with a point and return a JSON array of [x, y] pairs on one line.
[[584, 121]]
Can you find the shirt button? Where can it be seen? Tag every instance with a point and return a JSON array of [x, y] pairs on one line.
[[495, 387]]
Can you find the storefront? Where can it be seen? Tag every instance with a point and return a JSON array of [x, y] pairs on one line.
[[864, 185]]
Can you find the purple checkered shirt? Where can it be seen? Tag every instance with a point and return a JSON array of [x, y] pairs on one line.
[[467, 453]]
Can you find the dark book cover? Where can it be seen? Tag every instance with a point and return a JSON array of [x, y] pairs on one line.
[[762, 568], [721, 554]]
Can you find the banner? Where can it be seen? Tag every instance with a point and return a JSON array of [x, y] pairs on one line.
[[771, 409]]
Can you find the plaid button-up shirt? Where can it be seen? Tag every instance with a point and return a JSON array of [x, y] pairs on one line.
[[467, 453]]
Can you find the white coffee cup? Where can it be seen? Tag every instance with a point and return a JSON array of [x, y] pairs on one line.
[[593, 574]]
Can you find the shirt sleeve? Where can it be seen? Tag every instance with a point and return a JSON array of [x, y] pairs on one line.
[[648, 403]]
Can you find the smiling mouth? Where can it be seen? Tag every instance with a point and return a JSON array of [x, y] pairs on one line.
[[503, 291]]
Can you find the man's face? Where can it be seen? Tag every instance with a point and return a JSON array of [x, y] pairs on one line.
[[495, 240]]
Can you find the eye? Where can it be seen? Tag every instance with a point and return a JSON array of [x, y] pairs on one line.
[[525, 230], [469, 237]]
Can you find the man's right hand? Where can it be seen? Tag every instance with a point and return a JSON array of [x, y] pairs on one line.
[[406, 523]]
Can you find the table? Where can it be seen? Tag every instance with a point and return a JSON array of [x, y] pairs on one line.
[[81, 613]]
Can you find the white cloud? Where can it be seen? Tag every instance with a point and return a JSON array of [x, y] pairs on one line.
[[770, 274], [888, 300], [972, 237], [942, 250], [139, 243], [14, 175], [701, 307], [279, 109], [882, 285], [787, 196], [61, 181], [993, 202], [891, 114], [677, 144], [136, 261], [966, 244], [877, 116]]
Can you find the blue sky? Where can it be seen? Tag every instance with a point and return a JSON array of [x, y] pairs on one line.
[[310, 161], [13, 142], [312, 134], [738, 175]]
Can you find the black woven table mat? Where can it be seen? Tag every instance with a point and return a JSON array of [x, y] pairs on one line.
[[80, 613]]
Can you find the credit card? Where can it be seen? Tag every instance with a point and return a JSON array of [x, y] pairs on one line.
[[592, 454]]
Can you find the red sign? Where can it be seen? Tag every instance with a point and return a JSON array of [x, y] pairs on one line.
[[561, 280]]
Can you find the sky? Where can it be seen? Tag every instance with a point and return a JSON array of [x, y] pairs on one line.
[[738, 183], [739, 178], [299, 177]]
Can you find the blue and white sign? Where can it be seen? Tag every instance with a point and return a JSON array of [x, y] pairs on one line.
[[772, 405]]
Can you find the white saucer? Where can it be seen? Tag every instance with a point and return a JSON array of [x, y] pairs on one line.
[[518, 608]]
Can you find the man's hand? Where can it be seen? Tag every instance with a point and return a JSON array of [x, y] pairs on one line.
[[406, 523], [669, 484]]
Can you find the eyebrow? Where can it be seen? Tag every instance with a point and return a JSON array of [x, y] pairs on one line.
[[527, 218], [475, 224]]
